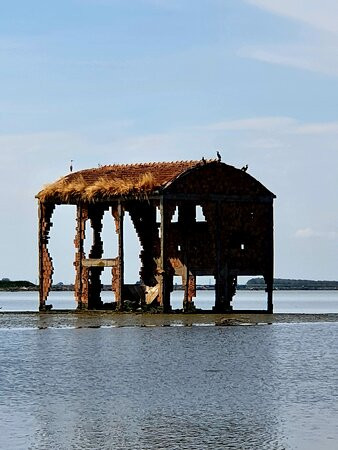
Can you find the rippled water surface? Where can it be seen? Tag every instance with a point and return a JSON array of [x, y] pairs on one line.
[[241, 387], [284, 301]]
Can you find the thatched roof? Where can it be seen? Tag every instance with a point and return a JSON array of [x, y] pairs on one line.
[[107, 182]]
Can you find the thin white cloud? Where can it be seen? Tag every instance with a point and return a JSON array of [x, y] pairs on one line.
[[307, 233], [318, 128], [319, 14], [317, 49], [274, 125], [252, 124], [316, 58]]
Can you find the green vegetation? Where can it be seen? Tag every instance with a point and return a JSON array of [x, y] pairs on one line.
[[288, 284], [8, 285]]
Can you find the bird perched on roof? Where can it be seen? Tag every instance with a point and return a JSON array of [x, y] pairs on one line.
[[71, 165], [245, 168], [219, 157], [203, 160]]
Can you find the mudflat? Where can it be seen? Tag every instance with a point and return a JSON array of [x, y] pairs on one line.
[[96, 319]]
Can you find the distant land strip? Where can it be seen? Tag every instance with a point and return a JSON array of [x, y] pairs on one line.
[[254, 284]]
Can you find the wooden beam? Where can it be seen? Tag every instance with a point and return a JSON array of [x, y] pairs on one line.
[[96, 262], [197, 198]]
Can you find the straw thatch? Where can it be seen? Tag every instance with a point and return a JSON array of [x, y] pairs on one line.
[[68, 190], [108, 182]]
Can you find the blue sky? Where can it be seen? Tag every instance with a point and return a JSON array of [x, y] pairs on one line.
[[106, 81]]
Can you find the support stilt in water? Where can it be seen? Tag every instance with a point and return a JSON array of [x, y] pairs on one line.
[[118, 270], [45, 261], [81, 278]]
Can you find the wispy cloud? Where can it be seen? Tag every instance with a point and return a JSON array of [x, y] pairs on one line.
[[321, 15], [307, 233], [321, 58], [316, 49], [252, 124], [318, 128], [276, 125]]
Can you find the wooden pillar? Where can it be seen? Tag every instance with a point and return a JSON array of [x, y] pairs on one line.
[[269, 278], [269, 288], [120, 211], [189, 282], [45, 261], [187, 219], [118, 269], [81, 277], [164, 291], [219, 276]]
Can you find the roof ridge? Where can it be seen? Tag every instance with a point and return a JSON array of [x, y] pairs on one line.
[[151, 163]]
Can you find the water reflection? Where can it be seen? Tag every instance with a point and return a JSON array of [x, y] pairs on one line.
[[178, 387]]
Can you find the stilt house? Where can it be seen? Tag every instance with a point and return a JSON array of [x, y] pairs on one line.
[[234, 237]]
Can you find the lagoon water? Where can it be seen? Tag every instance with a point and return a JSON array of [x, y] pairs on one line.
[[197, 387], [311, 302]]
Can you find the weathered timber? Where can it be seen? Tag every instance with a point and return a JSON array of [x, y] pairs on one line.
[[45, 260], [234, 238], [92, 262], [81, 278]]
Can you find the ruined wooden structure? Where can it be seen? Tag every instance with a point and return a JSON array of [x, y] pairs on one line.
[[236, 237]]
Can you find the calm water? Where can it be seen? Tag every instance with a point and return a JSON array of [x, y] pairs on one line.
[[188, 387], [246, 387], [284, 301]]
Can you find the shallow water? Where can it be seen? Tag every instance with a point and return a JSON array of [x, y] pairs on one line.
[[254, 387], [311, 302]]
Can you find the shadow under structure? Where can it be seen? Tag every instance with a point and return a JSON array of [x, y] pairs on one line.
[[233, 237]]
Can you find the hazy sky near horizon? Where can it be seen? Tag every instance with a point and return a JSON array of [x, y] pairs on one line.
[[121, 81]]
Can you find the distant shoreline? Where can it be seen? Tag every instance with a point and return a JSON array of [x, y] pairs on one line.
[[253, 284], [200, 288]]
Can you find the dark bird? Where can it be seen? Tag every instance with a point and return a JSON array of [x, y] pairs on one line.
[[245, 168], [71, 165], [203, 160], [219, 157]]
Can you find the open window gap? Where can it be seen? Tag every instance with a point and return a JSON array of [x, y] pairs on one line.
[[132, 250], [174, 218], [200, 217], [205, 292], [107, 295], [247, 297], [109, 236], [61, 249], [177, 295]]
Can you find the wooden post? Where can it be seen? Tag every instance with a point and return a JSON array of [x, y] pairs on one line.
[[187, 219], [45, 261], [164, 293], [219, 285], [120, 213], [81, 277], [269, 280], [42, 301]]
